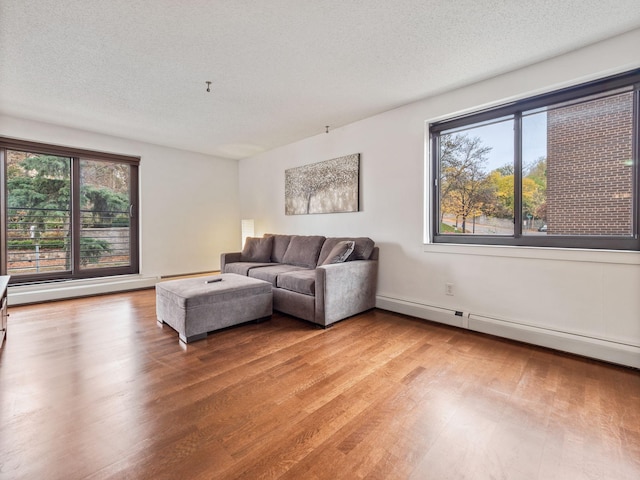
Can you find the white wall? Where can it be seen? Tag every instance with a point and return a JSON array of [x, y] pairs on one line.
[[580, 301], [189, 204]]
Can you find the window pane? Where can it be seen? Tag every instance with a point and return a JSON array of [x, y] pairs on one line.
[[38, 213], [590, 168], [534, 173], [476, 179], [104, 209]]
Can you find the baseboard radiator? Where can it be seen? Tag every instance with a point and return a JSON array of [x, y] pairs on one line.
[[447, 316], [602, 349], [46, 292]]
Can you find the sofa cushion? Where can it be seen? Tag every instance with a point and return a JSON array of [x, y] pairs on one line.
[[301, 281], [280, 244], [340, 252], [270, 273], [257, 250], [303, 250], [242, 268], [362, 250]]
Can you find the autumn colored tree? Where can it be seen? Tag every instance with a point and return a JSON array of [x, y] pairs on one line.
[[533, 191], [464, 189], [538, 173], [112, 176]]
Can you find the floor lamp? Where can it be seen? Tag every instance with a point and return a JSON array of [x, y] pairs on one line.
[[247, 227]]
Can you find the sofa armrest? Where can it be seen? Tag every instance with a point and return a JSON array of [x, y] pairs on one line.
[[228, 258], [345, 289]]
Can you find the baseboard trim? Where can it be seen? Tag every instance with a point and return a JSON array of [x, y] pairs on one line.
[[600, 349]]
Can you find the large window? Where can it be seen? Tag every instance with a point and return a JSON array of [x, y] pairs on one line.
[[66, 213], [558, 170]]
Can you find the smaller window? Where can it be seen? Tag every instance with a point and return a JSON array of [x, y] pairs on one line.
[[556, 170]]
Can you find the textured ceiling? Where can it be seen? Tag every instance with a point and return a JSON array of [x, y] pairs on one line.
[[280, 69]]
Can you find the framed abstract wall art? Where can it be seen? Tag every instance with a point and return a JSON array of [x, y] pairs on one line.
[[331, 186]]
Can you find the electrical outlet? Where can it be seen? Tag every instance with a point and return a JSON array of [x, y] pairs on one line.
[[448, 289]]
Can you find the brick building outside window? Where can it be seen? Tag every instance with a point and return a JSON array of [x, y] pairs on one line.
[[589, 167]]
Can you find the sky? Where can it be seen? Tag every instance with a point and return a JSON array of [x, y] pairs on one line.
[[499, 136]]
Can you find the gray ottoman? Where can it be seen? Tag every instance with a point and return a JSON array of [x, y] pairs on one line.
[[193, 307]]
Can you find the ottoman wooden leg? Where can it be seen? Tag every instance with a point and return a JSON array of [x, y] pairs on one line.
[[192, 338]]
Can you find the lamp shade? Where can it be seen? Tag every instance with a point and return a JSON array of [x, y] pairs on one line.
[[247, 226]]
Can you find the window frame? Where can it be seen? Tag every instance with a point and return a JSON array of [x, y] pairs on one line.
[[516, 109], [76, 155]]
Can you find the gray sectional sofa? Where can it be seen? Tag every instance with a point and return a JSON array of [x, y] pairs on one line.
[[322, 280]]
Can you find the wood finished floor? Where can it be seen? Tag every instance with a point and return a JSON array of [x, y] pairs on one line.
[[95, 389]]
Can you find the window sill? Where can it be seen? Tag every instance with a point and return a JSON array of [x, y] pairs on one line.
[[537, 253]]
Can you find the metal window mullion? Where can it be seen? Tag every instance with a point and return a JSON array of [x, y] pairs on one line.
[[635, 148], [435, 184], [134, 225], [75, 216], [517, 174], [3, 212]]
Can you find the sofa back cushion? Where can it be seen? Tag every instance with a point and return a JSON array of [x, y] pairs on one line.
[[362, 250], [257, 250], [280, 244], [303, 250]]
